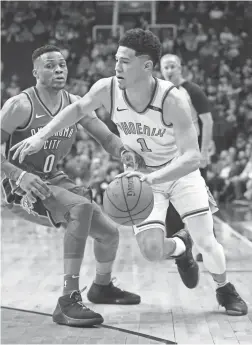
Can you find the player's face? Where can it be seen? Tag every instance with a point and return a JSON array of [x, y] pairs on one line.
[[129, 67], [51, 70], [171, 70]]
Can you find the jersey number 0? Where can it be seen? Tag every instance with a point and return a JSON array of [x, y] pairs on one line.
[[49, 163]]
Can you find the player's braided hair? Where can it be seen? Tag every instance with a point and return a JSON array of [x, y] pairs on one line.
[[44, 49], [144, 42]]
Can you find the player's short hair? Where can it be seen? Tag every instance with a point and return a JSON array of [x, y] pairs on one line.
[[144, 42], [44, 49]]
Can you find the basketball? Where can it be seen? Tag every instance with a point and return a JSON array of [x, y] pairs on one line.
[[128, 201]]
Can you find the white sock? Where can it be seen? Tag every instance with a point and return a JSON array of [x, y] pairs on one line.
[[219, 285], [180, 247]]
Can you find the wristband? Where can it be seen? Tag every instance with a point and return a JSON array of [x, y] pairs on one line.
[[20, 177], [123, 150]]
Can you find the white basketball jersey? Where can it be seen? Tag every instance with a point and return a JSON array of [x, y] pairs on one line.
[[145, 132]]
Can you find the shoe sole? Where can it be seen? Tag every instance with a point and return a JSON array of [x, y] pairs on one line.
[[116, 301], [236, 313], [64, 320]]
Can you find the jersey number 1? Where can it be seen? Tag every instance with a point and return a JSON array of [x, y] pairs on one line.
[[49, 163], [144, 147]]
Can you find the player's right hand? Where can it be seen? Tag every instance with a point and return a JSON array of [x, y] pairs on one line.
[[27, 146], [34, 186]]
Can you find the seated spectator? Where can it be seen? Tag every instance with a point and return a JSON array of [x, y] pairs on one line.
[[216, 13], [201, 36], [226, 36], [240, 142], [242, 182], [25, 35]]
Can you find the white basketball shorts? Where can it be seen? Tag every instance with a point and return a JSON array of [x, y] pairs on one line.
[[189, 195]]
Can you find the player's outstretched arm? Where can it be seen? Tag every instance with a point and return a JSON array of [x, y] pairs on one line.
[[76, 111], [177, 110], [68, 116], [101, 133]]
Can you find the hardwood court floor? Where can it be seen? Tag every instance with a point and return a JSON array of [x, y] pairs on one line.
[[169, 312]]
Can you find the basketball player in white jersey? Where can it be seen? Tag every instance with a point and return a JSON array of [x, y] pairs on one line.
[[154, 119], [171, 69]]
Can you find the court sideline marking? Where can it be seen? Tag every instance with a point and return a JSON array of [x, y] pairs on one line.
[[226, 227], [165, 341]]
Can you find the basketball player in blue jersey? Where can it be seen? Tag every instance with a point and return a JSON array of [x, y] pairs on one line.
[[37, 191], [154, 120], [171, 70]]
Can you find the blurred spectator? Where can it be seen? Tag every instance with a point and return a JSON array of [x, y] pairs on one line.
[[241, 184], [216, 13], [226, 36], [100, 186], [213, 40]]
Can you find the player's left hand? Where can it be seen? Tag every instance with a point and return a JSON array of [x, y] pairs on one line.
[[143, 177], [26, 147]]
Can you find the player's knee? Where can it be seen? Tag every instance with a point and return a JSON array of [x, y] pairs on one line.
[[102, 228], [109, 238], [152, 252], [151, 244], [205, 245], [81, 212], [79, 218], [201, 231]]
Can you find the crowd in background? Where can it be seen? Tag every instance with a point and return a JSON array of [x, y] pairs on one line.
[[214, 42]]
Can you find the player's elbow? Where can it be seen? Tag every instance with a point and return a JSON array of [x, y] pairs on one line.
[[78, 109]]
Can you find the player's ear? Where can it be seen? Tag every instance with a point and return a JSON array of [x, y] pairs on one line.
[[35, 73], [148, 65]]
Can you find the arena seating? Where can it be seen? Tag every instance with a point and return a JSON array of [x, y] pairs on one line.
[[212, 39]]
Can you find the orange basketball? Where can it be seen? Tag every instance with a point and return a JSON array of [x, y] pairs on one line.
[[128, 201]]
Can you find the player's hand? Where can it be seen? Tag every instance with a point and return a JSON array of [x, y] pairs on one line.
[[34, 187], [204, 160], [143, 177], [132, 160], [26, 147]]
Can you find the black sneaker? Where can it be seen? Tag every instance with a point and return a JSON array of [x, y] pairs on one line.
[[110, 294], [229, 298], [187, 266], [71, 311]]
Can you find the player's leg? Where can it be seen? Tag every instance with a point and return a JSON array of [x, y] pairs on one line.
[[190, 198], [203, 172], [75, 213], [106, 239], [187, 267], [150, 234]]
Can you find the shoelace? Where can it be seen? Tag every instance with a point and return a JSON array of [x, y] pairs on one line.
[[115, 283], [230, 293], [79, 302]]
